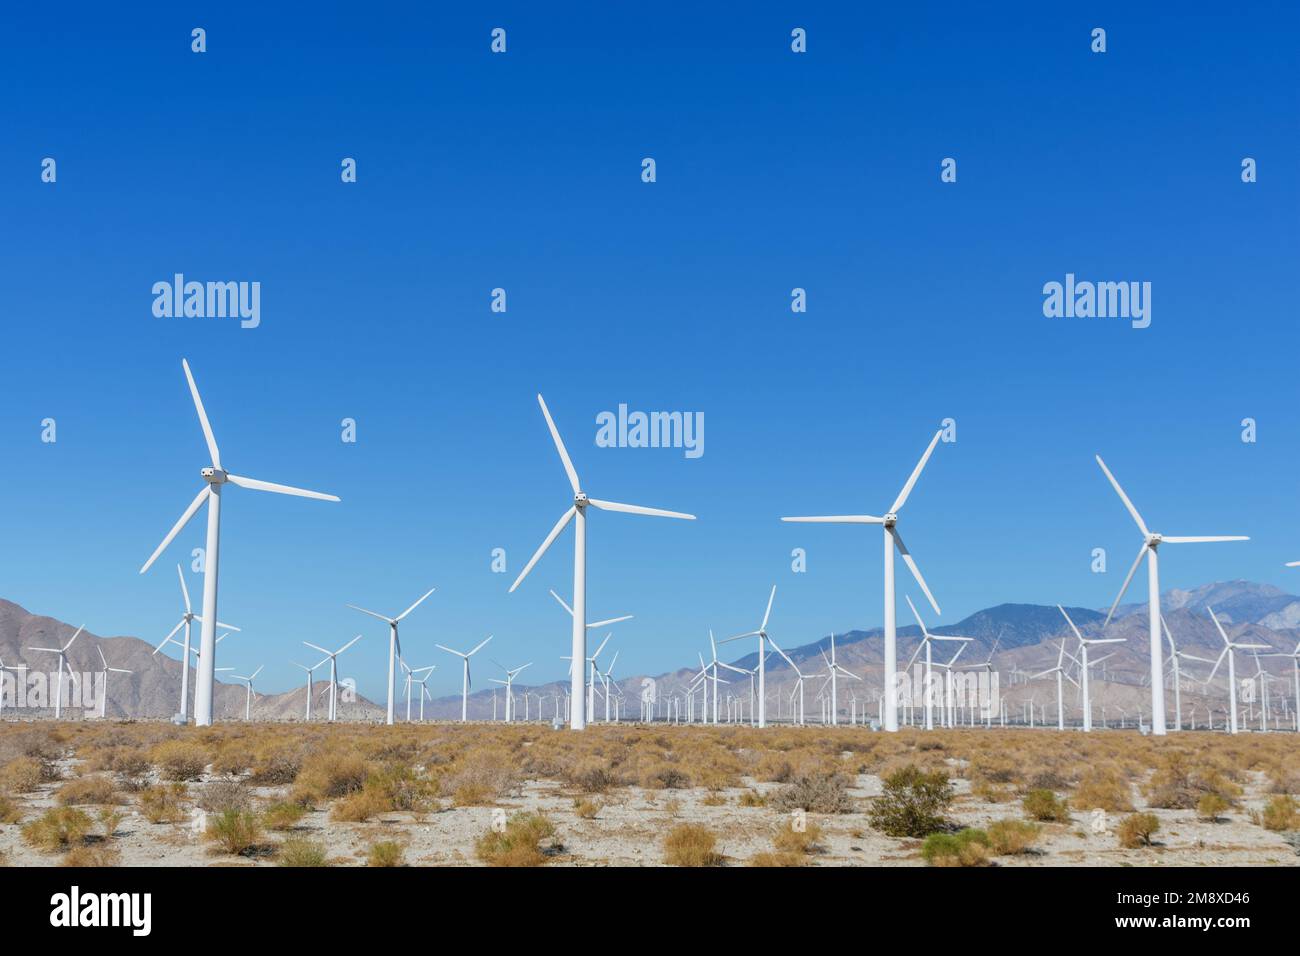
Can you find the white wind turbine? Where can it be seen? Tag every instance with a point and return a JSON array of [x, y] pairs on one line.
[[1232, 668], [987, 667], [1059, 671], [63, 662], [833, 669], [104, 671], [892, 541], [394, 645], [215, 478], [309, 671], [509, 684], [577, 513], [424, 689], [248, 698], [334, 671], [927, 640], [1175, 655], [715, 664], [1084, 664], [605, 680], [1149, 549], [411, 679], [464, 682], [761, 634], [949, 705], [1295, 666], [799, 678], [186, 619], [23, 667]]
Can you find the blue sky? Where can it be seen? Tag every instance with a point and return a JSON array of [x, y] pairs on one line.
[[522, 171]]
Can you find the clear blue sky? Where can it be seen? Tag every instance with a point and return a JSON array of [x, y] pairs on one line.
[[522, 171]]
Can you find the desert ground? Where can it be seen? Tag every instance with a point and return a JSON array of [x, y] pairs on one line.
[[250, 794]]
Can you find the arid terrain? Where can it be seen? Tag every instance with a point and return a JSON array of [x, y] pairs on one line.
[[152, 794]]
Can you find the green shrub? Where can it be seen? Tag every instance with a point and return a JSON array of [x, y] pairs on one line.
[[57, 829], [386, 853], [234, 831], [519, 844], [912, 803], [1009, 837], [1137, 829], [966, 848], [1045, 806], [299, 851]]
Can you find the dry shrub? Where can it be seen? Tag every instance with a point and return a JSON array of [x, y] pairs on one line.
[[1280, 813], [1104, 789], [773, 858], [587, 809], [992, 768], [790, 840], [481, 777], [991, 793], [397, 787], [299, 851], [520, 843], [328, 775], [223, 795], [276, 769], [815, 793], [233, 761], [1044, 805], [1137, 829], [691, 844], [752, 798], [967, 848], [88, 790], [593, 777], [234, 831], [773, 768], [25, 774], [57, 829], [162, 803], [110, 818], [1177, 785], [283, 815], [386, 853], [912, 803], [180, 759], [1211, 807], [97, 855], [1010, 837], [10, 812], [358, 807]]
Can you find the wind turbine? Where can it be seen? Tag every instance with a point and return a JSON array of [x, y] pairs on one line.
[[799, 678], [186, 619], [761, 634], [949, 705], [591, 683], [334, 671], [1232, 668], [577, 513], [893, 540], [23, 667], [394, 646], [1084, 644], [464, 683], [248, 698], [509, 683], [591, 713], [987, 668], [214, 477], [1295, 665], [63, 662], [1175, 655], [833, 669], [1059, 671], [309, 671], [927, 640], [424, 690], [103, 700], [1149, 549], [412, 679], [715, 664], [605, 679]]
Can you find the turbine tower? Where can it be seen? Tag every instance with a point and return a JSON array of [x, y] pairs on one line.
[[1084, 644], [103, 699], [464, 683], [334, 671], [1232, 667], [893, 540], [214, 477], [1150, 543], [761, 634], [63, 663], [577, 513], [186, 619]]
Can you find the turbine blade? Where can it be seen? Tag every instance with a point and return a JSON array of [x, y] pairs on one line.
[[203, 416], [612, 620], [1214, 670], [602, 646], [1142, 552], [1215, 619], [916, 473], [416, 604], [386, 620], [317, 647], [74, 637], [838, 519], [479, 646], [550, 538], [163, 642], [638, 509], [347, 645], [561, 600], [185, 592], [916, 572], [1195, 539], [1137, 518], [201, 497], [768, 613], [559, 446], [908, 599], [259, 485]]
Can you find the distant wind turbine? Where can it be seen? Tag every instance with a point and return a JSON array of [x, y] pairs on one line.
[[464, 683], [394, 645]]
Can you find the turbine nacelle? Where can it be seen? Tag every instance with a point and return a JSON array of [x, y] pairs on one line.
[[890, 519], [214, 476], [580, 499]]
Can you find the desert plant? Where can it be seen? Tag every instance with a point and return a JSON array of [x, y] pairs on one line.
[[1009, 837], [10, 812], [690, 844], [57, 829], [1211, 807], [386, 853], [752, 798], [1045, 806], [587, 808], [222, 795], [24, 774], [357, 807], [180, 759], [1103, 789], [234, 831], [1280, 813], [87, 790], [299, 851], [805, 840], [519, 844], [162, 803], [110, 818], [780, 858], [965, 848], [1137, 829], [815, 793], [912, 803], [283, 815], [276, 769], [87, 855]]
